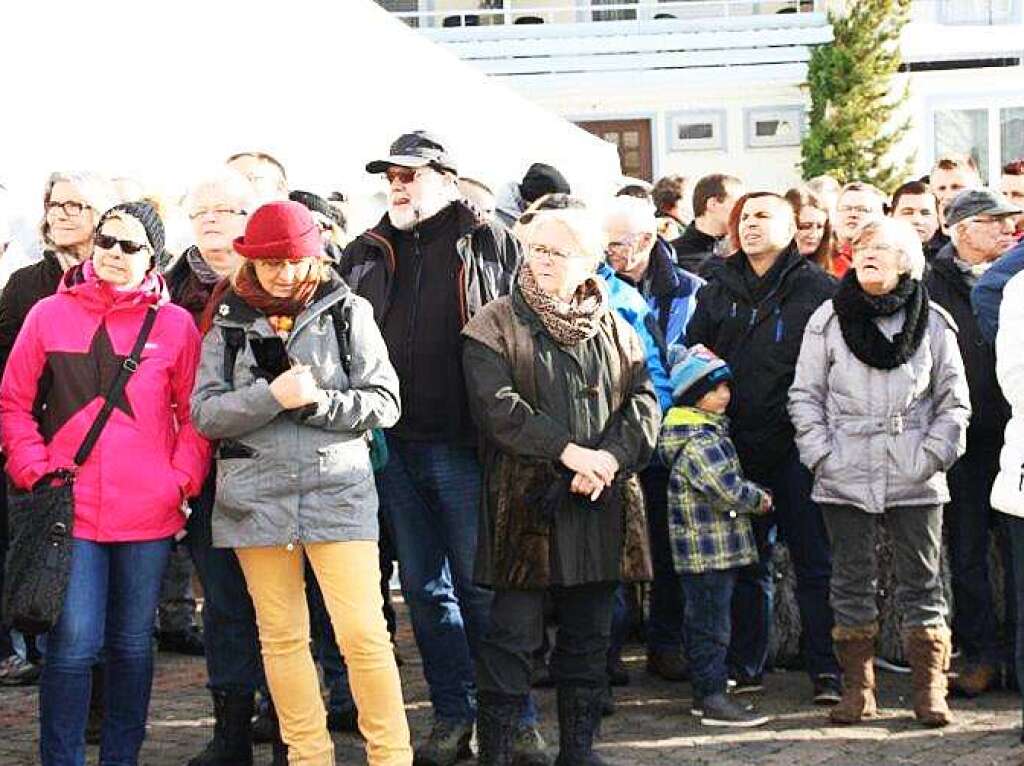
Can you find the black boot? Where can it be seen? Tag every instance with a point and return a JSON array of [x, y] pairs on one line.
[[579, 715], [280, 754], [232, 732], [495, 722]]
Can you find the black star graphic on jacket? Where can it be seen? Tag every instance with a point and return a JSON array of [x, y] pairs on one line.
[[78, 377]]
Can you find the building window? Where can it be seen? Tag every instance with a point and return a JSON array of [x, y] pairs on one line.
[[692, 131], [402, 6], [616, 15], [773, 126], [1011, 134], [963, 131], [979, 11]]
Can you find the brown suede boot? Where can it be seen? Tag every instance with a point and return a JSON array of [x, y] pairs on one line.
[[855, 650], [928, 649]]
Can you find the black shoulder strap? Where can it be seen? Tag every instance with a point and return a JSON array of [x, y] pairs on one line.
[[234, 339], [128, 366], [341, 315]]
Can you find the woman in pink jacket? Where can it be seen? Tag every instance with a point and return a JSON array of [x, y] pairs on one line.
[[129, 492]]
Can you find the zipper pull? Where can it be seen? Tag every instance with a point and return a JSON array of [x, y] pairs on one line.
[[778, 325], [753, 316], [734, 309]]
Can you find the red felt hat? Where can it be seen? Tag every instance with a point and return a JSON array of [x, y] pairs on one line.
[[280, 231]]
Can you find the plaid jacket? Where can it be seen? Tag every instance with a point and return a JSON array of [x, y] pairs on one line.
[[708, 498]]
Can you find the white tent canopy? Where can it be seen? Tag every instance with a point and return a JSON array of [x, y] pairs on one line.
[[165, 91]]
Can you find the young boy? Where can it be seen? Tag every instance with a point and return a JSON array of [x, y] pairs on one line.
[[711, 536]]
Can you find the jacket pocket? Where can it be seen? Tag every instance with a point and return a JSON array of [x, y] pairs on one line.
[[237, 485], [340, 466]]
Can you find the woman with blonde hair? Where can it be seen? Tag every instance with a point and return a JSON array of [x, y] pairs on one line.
[[559, 389], [813, 227], [291, 403]]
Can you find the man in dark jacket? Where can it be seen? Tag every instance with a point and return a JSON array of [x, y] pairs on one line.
[[426, 268], [980, 224], [713, 199], [753, 315]]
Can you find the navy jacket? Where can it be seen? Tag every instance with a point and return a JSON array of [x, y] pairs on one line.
[[987, 295]]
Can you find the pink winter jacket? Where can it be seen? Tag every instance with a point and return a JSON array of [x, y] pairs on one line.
[[149, 457]]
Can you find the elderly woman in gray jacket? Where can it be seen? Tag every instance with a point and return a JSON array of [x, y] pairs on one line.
[[293, 374], [880, 406]]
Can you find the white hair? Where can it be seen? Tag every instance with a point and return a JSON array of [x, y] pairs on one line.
[[580, 221], [638, 213], [227, 183], [899, 234], [96, 190]]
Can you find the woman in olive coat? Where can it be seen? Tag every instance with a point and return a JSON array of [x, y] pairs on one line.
[[559, 389]]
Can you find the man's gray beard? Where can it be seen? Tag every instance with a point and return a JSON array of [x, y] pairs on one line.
[[406, 217]]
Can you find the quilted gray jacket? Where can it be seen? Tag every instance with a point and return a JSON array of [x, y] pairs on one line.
[[285, 477], [876, 439]]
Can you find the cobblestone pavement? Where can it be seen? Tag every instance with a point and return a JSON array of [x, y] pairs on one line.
[[652, 725]]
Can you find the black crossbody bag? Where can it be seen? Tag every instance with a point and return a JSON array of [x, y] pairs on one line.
[[42, 521]]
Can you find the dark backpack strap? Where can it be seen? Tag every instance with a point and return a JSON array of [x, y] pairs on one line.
[[234, 339], [128, 367], [341, 315]]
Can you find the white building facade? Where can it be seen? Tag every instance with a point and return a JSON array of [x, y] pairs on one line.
[[701, 86]]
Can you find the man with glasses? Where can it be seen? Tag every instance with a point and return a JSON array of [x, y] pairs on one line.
[[426, 268], [981, 226], [264, 172], [642, 259], [858, 203]]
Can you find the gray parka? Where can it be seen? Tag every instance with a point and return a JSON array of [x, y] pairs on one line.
[[303, 475], [876, 439]]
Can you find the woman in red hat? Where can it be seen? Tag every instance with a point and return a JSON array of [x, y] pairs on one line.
[[294, 373]]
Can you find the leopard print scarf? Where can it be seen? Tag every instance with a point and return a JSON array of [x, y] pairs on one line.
[[567, 323]]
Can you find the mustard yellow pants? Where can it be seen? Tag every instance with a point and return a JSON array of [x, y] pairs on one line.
[[349, 576]]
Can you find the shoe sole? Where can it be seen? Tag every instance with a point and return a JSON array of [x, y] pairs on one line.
[[827, 699], [759, 721], [748, 689]]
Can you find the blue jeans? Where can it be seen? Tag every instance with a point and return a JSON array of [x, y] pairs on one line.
[[802, 528], [233, 661], [971, 521], [707, 625], [109, 610], [665, 620]]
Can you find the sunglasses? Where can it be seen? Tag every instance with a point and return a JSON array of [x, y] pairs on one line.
[[405, 175], [107, 242]]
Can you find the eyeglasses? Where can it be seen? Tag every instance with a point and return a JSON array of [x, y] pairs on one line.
[[405, 175], [107, 242], [863, 210], [71, 208], [988, 220], [550, 253], [624, 246], [216, 212], [273, 266]]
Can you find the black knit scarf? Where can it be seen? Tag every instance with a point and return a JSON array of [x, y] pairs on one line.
[[857, 311]]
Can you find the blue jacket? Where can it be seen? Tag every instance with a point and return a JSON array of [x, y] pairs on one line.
[[987, 294], [631, 306], [670, 291]]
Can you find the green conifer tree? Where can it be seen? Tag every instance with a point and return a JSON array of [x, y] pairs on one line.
[[851, 133]]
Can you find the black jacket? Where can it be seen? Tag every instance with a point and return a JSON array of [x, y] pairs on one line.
[[948, 287], [487, 256], [760, 339], [26, 287], [693, 248]]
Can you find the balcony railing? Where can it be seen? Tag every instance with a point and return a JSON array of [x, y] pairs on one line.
[[482, 13]]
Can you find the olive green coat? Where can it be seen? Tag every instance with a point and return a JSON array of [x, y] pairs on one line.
[[531, 397]]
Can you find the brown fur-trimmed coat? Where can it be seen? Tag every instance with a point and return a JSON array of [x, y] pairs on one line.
[[530, 398]]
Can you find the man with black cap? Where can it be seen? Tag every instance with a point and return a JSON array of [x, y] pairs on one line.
[[514, 198], [981, 227], [426, 268]]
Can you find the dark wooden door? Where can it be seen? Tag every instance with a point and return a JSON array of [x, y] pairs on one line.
[[633, 140]]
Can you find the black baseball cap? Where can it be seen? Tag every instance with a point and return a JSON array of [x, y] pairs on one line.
[[972, 202], [415, 150]]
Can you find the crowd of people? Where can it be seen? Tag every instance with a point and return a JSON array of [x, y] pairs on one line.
[[532, 403]]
